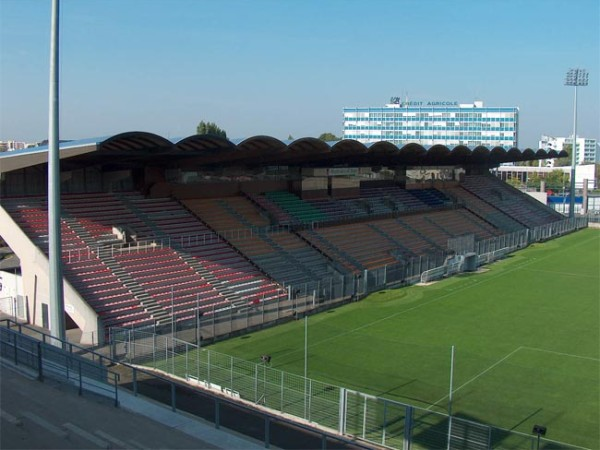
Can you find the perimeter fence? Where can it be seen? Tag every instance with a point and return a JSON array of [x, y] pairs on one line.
[[464, 254], [349, 413]]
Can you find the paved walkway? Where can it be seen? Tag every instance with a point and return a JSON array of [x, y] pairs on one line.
[[52, 415]]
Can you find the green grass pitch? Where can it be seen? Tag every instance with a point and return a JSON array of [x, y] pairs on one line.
[[526, 334]]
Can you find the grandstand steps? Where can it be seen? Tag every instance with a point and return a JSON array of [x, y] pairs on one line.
[[403, 251], [480, 208], [418, 233], [328, 249], [145, 299], [482, 225], [128, 200], [229, 293], [437, 226]]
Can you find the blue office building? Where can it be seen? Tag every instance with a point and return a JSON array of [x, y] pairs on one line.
[[434, 122]]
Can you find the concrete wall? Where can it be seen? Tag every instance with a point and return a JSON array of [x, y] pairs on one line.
[[35, 270]]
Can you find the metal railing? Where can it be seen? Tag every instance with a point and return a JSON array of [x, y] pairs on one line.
[[350, 414], [56, 360], [62, 363]]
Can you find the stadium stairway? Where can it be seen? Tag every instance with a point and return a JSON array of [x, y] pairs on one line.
[[401, 251], [105, 254], [483, 210], [335, 253], [302, 211], [510, 200], [404, 221], [229, 293], [281, 254]]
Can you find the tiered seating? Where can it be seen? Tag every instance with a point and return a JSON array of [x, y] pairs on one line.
[[190, 235], [420, 224], [391, 198], [282, 255], [460, 222], [430, 197], [411, 243], [103, 291], [230, 213], [99, 212], [166, 217], [173, 284], [302, 211], [364, 247], [509, 200], [278, 215], [339, 209], [95, 282], [484, 210]]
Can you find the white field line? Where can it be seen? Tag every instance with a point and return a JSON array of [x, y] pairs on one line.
[[476, 376], [561, 354], [453, 292], [570, 274]]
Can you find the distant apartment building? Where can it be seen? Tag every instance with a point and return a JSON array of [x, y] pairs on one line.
[[8, 146], [587, 149], [449, 123]]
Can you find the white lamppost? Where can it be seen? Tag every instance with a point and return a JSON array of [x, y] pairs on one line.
[[55, 279], [575, 77]]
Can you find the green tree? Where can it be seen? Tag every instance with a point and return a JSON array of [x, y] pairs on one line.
[[290, 138], [515, 182], [557, 179], [562, 162], [329, 137], [534, 180], [210, 128]]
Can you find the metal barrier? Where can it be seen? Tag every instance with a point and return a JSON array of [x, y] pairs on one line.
[[349, 413], [55, 362], [49, 360], [332, 291]]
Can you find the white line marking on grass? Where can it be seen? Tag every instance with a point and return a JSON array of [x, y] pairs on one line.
[[477, 376], [518, 266], [561, 354], [556, 272]]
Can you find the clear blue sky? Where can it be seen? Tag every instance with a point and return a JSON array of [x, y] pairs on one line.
[[290, 66]]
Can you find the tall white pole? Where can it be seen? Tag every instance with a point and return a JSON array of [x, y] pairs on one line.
[[305, 346], [305, 365], [198, 320], [198, 343], [57, 307], [573, 159], [450, 396], [172, 316], [575, 78]]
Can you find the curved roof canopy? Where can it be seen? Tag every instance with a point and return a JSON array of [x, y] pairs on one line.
[[141, 148]]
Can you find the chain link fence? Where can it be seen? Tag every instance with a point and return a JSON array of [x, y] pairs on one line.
[[373, 419], [224, 321]]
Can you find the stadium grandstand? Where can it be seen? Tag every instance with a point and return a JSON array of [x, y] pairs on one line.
[[158, 232]]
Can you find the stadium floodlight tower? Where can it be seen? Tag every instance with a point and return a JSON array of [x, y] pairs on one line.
[[575, 77], [57, 308]]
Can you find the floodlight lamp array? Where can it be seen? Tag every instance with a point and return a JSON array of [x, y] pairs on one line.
[[576, 77]]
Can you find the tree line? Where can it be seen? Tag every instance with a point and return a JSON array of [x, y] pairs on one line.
[[213, 129]]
